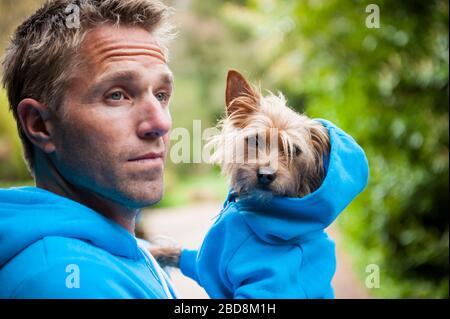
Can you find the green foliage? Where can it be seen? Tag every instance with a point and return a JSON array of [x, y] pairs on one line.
[[388, 87], [186, 190]]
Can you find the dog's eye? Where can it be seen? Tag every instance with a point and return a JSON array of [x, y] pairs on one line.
[[297, 150]]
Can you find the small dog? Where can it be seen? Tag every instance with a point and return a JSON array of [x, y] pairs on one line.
[[264, 148], [283, 152]]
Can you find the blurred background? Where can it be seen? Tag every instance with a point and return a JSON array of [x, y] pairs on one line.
[[386, 86]]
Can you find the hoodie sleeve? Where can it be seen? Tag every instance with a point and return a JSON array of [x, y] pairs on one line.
[[188, 263]]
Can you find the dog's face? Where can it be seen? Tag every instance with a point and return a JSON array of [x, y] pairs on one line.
[[267, 146]]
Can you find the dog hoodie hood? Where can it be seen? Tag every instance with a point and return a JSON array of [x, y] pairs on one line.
[[289, 219], [44, 238], [277, 247]]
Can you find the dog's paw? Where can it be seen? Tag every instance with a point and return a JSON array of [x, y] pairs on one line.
[[166, 256], [166, 251]]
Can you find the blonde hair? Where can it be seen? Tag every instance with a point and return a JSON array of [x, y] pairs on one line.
[[43, 50]]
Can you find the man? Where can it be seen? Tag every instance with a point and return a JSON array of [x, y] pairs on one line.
[[91, 103]]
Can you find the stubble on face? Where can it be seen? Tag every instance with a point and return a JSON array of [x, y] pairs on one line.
[[99, 136]]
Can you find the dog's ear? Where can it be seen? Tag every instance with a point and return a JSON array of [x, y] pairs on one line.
[[240, 96], [321, 145], [314, 168]]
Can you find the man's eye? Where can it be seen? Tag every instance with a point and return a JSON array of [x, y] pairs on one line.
[[162, 97], [116, 96]]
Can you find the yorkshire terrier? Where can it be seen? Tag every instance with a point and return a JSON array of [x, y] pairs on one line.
[[265, 149]]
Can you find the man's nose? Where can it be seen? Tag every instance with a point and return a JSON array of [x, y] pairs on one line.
[[155, 121]]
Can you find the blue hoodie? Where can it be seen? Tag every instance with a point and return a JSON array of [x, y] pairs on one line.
[[277, 247], [53, 247]]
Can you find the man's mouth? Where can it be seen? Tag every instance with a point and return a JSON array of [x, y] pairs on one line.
[[150, 158]]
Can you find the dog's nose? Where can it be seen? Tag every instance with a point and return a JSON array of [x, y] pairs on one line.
[[266, 177]]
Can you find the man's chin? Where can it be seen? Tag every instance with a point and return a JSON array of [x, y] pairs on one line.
[[144, 197], [150, 201]]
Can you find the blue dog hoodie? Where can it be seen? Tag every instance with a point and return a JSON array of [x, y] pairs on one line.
[[53, 247], [277, 247]]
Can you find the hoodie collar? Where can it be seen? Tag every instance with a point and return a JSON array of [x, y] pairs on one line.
[[28, 214]]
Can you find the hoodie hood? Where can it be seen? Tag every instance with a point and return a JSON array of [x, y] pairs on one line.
[[275, 218], [28, 214]]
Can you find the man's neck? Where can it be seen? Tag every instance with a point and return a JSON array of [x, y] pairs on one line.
[[48, 178]]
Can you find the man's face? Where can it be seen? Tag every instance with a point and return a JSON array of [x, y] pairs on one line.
[[116, 112]]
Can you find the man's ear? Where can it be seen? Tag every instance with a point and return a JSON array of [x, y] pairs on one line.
[[239, 96], [35, 120]]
